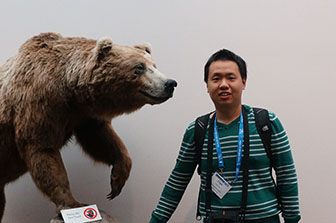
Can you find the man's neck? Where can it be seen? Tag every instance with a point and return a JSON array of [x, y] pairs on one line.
[[228, 114]]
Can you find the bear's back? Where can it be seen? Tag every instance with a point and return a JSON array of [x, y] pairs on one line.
[[55, 44], [47, 58], [42, 69]]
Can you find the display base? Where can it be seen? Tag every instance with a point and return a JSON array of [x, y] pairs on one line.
[[105, 219]]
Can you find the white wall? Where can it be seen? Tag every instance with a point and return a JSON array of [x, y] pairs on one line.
[[289, 46]]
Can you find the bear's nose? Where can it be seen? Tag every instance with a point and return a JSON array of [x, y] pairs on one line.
[[170, 85]]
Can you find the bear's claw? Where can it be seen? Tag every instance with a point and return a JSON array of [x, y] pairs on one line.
[[112, 195], [117, 183], [115, 190]]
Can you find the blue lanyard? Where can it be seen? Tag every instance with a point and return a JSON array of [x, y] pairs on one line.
[[239, 147]]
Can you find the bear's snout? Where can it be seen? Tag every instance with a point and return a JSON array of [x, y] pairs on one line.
[[170, 86]]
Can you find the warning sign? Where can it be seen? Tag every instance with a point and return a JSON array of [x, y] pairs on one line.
[[90, 213], [81, 214]]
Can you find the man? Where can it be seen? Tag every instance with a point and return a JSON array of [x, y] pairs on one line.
[[225, 77]]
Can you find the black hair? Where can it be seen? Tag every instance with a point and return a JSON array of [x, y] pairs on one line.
[[225, 54]]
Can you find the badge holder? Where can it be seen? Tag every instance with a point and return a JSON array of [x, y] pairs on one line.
[[219, 185]]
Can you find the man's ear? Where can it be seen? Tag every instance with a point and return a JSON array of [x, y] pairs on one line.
[[103, 47], [244, 83], [147, 47]]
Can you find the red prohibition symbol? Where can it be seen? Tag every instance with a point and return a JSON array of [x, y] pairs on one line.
[[90, 213]]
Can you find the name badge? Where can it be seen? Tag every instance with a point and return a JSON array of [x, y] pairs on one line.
[[81, 214], [219, 185]]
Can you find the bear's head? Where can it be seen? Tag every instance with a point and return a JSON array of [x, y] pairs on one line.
[[123, 79]]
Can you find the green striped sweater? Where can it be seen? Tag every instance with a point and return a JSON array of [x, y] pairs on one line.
[[262, 201]]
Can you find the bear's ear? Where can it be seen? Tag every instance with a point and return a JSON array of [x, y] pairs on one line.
[[103, 47], [145, 47]]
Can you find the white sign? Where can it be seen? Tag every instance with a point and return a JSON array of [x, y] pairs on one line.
[[82, 214]]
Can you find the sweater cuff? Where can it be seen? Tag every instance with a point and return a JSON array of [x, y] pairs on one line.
[[292, 219], [155, 219]]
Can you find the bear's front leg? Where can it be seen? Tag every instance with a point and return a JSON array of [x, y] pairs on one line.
[[102, 143], [48, 172], [120, 173]]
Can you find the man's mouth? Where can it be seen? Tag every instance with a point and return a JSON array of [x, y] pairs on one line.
[[224, 94]]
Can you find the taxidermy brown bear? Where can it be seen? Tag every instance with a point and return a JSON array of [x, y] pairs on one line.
[[56, 88]]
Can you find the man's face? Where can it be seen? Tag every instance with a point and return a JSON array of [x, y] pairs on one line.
[[225, 84]]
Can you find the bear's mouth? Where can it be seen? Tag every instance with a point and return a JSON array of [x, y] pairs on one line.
[[155, 98]]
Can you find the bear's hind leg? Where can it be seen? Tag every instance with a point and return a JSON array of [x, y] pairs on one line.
[[2, 201], [49, 174]]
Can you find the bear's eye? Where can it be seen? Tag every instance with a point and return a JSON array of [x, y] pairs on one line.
[[140, 69]]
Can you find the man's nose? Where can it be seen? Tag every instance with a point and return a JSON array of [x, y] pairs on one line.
[[223, 84]]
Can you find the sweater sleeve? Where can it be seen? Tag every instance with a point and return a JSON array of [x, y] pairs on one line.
[[287, 183], [178, 180]]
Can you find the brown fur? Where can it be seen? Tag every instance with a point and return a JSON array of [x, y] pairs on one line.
[[57, 87]]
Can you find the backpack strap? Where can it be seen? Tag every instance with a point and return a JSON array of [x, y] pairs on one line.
[[264, 128], [208, 190], [201, 124], [245, 166]]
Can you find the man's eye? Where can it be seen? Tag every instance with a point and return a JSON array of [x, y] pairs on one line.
[[139, 69]]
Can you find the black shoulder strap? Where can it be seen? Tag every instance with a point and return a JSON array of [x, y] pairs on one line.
[[201, 124], [264, 128], [208, 190], [245, 164], [263, 125]]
